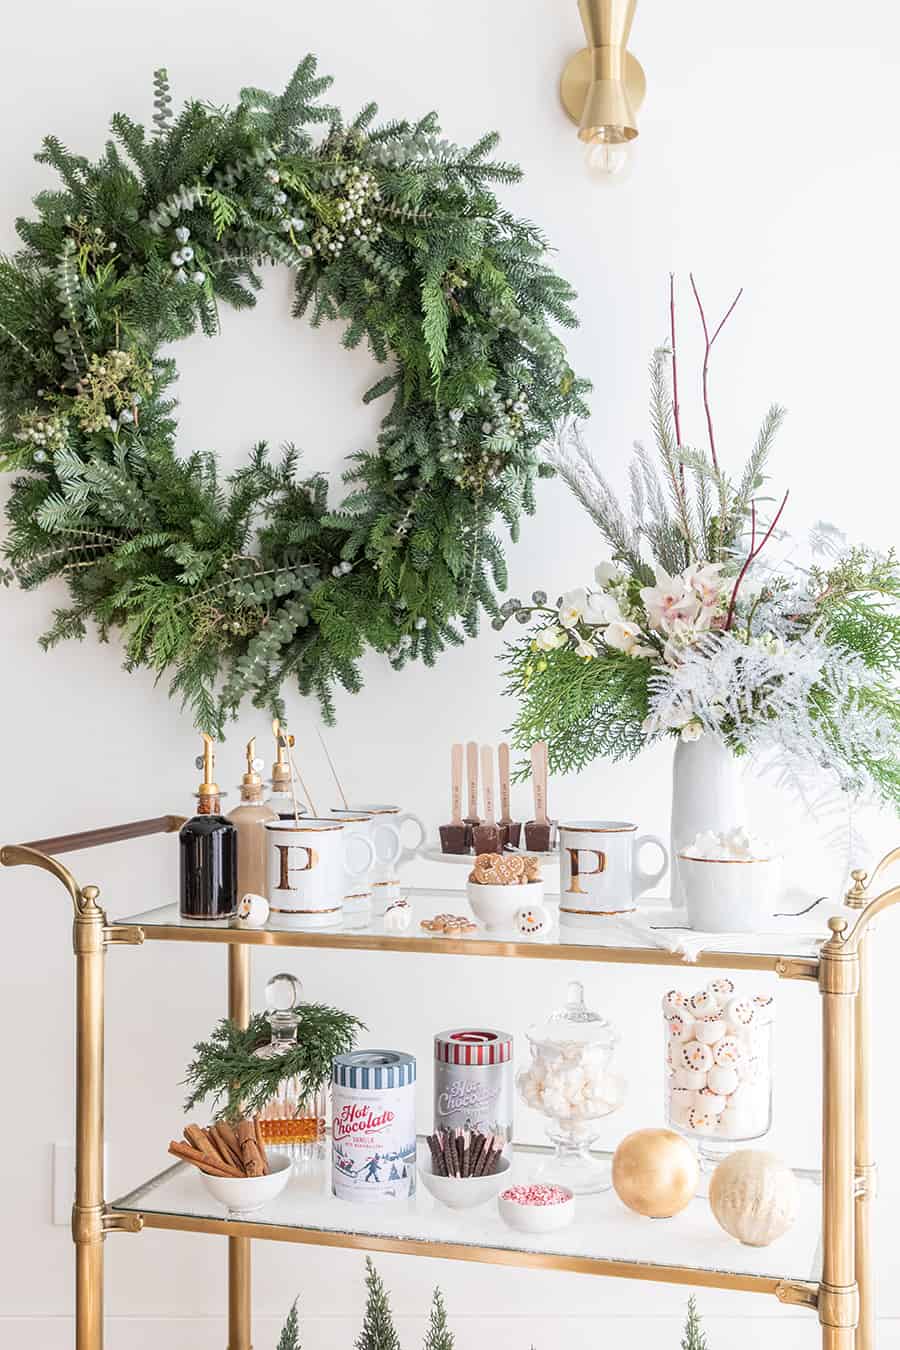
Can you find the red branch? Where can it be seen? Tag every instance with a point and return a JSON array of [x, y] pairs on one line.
[[709, 342], [755, 551]]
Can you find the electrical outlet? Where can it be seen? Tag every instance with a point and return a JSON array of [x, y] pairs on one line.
[[64, 1180]]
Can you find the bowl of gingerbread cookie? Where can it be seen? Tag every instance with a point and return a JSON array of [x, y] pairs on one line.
[[501, 884]]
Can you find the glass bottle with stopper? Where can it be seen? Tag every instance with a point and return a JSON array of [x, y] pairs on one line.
[[248, 818], [570, 1080], [291, 1119], [207, 846], [281, 798]]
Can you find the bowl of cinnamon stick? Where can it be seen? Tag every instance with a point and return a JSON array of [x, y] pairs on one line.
[[233, 1162]]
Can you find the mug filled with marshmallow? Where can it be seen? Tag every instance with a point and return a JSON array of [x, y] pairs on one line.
[[730, 881]]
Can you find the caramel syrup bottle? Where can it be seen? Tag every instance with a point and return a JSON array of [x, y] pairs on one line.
[[249, 818], [207, 846]]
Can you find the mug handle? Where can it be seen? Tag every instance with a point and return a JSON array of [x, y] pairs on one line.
[[370, 854], [396, 845], [407, 854], [644, 881]]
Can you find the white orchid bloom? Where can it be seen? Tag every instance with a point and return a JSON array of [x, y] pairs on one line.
[[692, 731], [601, 609], [586, 649], [622, 636], [606, 574], [704, 580], [669, 601], [549, 639], [572, 607]]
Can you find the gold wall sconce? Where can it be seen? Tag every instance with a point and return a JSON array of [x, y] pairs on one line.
[[603, 86]]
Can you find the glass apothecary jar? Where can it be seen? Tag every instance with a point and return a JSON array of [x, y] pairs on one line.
[[718, 1065], [290, 1121], [570, 1079]]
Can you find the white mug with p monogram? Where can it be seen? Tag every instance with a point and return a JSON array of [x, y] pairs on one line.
[[386, 841], [385, 880], [600, 872], [309, 863]]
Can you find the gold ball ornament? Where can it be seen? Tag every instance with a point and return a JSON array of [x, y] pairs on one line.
[[754, 1196], [655, 1173]]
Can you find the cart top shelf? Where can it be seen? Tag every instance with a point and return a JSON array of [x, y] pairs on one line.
[[790, 950]]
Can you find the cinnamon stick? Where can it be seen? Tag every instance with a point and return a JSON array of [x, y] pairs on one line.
[[200, 1160], [201, 1142], [261, 1145], [231, 1153], [250, 1156]]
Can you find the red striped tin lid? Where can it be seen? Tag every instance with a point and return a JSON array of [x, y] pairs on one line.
[[471, 1045]]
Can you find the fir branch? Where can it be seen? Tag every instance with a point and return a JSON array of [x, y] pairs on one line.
[[238, 1082]]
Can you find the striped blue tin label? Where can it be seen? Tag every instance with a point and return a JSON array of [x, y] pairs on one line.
[[374, 1069]]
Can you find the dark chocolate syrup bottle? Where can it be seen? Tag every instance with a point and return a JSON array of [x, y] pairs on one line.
[[207, 846]]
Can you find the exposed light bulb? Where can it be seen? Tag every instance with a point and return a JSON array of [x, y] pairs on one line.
[[610, 156]]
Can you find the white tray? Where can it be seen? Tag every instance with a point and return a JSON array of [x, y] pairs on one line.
[[432, 852]]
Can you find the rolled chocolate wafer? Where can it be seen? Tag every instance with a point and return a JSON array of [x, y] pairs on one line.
[[490, 1154], [437, 1156], [457, 1152], [475, 1149], [467, 1154], [449, 1154]]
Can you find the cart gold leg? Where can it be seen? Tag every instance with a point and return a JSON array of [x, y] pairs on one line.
[[865, 1167], [838, 1294], [239, 1285], [87, 1213]]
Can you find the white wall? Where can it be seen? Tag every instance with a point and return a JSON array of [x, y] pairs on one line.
[[752, 172]]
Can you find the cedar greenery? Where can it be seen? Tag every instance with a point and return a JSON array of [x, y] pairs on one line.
[[694, 1335], [232, 586], [240, 1083], [378, 1331]]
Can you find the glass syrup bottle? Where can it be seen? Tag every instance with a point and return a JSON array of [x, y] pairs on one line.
[[248, 818], [289, 1120], [281, 798], [207, 846]]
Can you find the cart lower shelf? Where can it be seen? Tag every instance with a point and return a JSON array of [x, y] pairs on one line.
[[605, 1238]]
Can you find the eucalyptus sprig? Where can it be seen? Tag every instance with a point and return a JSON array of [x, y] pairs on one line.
[[226, 1068]]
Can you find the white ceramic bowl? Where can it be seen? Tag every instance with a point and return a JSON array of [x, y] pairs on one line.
[[730, 895], [465, 1192], [537, 1218], [497, 906], [245, 1195]]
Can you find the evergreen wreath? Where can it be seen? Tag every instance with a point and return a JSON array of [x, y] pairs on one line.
[[232, 587]]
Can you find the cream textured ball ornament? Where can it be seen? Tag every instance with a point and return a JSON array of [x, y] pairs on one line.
[[754, 1196], [655, 1172]]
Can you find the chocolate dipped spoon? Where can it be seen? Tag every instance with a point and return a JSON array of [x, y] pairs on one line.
[[453, 836]]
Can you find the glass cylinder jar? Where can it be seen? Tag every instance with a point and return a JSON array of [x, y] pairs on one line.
[[290, 1121], [570, 1080], [718, 1066]]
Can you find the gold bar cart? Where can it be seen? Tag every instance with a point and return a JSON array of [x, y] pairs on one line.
[[843, 1296]]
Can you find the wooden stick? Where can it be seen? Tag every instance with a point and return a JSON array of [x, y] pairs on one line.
[[334, 772]]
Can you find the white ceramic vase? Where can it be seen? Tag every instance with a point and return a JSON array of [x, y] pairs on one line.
[[707, 794]]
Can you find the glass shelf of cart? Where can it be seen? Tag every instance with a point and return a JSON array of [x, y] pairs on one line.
[[603, 1230], [609, 941]]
